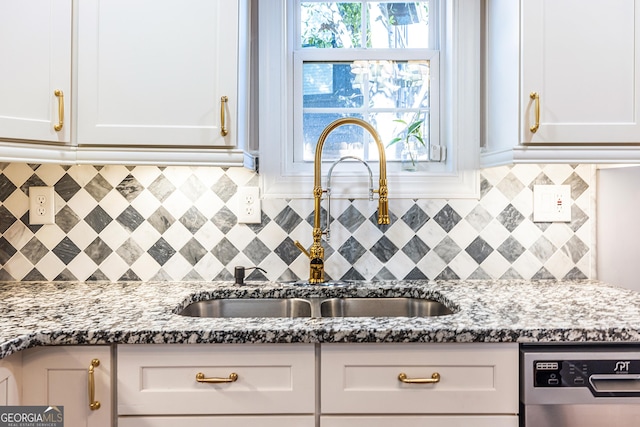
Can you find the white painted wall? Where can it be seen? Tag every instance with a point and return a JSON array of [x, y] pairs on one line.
[[618, 226]]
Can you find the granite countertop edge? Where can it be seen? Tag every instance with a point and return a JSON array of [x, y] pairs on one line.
[[491, 311]]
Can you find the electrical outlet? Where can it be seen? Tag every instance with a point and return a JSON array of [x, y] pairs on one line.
[[551, 203], [249, 211], [41, 205]]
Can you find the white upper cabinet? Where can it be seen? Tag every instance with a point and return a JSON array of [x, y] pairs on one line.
[[35, 47], [127, 82], [562, 81], [155, 72], [581, 57]]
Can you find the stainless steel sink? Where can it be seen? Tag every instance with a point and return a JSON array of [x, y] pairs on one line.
[[316, 307], [382, 307], [257, 307]]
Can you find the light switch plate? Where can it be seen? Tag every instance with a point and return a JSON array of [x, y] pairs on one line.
[[551, 203]]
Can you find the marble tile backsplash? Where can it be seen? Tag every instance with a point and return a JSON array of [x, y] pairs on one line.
[[180, 223]]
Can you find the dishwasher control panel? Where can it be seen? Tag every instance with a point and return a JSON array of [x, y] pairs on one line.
[[601, 376], [577, 374]]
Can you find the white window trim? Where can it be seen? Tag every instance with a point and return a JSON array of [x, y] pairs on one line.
[[457, 177]]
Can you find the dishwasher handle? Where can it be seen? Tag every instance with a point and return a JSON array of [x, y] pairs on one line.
[[615, 384]]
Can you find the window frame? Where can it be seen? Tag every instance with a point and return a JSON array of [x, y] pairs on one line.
[[458, 113]]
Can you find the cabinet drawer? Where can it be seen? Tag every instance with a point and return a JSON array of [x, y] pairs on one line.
[[199, 421], [420, 421], [161, 379], [473, 378]]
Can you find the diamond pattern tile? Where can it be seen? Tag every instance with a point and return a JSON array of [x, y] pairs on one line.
[[161, 251], [288, 219], [510, 218], [66, 250], [193, 220], [130, 188], [98, 219], [415, 249], [352, 250], [98, 251], [384, 249], [447, 218], [351, 218], [415, 218], [130, 219], [479, 250], [179, 223], [66, 187], [447, 249]]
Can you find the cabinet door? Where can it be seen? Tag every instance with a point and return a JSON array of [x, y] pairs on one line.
[[153, 72], [234, 421], [35, 47], [420, 421], [465, 378], [10, 379], [164, 379], [582, 57], [59, 376]]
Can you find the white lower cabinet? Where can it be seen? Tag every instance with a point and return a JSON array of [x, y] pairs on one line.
[[234, 421], [75, 377], [243, 385], [326, 385], [442, 385], [10, 379], [420, 421]]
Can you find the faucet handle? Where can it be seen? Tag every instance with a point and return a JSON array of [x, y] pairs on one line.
[[239, 272], [302, 249]]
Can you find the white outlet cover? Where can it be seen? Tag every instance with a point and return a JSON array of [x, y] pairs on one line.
[[41, 205], [551, 203], [249, 209]]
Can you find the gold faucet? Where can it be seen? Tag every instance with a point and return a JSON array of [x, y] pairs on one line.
[[316, 252]]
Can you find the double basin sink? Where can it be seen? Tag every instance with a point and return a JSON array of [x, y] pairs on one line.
[[316, 307]]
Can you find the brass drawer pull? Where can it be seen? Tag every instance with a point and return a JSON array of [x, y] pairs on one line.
[[93, 403], [233, 377], [435, 378], [58, 126], [535, 96], [223, 128]]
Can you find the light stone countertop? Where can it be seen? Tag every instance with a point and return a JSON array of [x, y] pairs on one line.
[[57, 313]]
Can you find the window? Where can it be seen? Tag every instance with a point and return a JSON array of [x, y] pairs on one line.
[[381, 61], [369, 60]]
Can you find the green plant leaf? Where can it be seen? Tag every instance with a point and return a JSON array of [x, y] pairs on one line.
[[415, 127], [394, 140]]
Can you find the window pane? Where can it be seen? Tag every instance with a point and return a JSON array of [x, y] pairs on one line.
[[387, 84], [403, 131], [331, 24], [397, 84], [343, 141], [330, 85], [387, 24], [394, 130], [398, 25]]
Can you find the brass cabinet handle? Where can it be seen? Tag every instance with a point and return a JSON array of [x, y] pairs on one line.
[[233, 377], [223, 128], [93, 403], [435, 378], [58, 126], [535, 96]]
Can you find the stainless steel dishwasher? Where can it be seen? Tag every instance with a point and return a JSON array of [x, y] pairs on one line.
[[580, 385]]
